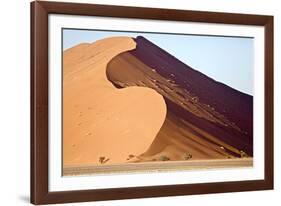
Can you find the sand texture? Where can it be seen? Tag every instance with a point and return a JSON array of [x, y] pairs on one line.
[[126, 100], [205, 119], [102, 124]]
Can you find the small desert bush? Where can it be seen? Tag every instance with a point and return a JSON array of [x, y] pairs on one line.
[[164, 158], [187, 156], [130, 157], [103, 160], [243, 154]]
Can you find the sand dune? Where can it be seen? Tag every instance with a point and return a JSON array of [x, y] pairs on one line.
[[127, 101], [205, 119], [102, 124]]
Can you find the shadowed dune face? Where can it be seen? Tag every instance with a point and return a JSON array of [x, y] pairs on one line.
[[102, 124], [205, 119], [127, 100]]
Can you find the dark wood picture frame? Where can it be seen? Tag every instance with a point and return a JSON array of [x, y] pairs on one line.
[[39, 102]]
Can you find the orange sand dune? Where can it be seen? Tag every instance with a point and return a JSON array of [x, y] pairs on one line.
[[205, 119], [126, 100], [177, 138], [102, 124]]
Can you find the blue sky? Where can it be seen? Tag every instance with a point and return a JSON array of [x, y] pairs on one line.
[[229, 60]]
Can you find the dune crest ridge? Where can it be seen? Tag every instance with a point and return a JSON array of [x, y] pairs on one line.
[[205, 118], [103, 124]]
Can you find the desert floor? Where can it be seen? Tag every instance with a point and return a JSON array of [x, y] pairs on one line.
[[159, 166]]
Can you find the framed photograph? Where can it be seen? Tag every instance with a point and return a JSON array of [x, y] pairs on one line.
[[131, 102]]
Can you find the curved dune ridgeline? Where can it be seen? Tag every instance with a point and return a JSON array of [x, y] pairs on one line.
[[103, 124], [126, 100], [205, 119]]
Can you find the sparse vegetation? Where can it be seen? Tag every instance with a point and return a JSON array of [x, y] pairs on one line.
[[164, 158], [243, 154], [187, 156], [103, 160], [130, 157]]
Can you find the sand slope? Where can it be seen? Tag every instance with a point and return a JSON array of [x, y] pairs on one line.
[[127, 100], [102, 124], [205, 119]]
